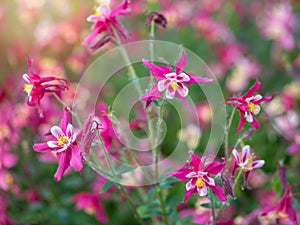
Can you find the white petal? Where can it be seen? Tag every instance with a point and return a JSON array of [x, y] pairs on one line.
[[249, 99], [183, 91], [162, 85], [210, 181], [257, 97], [249, 117], [56, 131], [258, 164], [189, 185], [171, 75], [26, 78], [52, 144], [256, 110], [245, 153], [236, 156], [202, 191], [69, 131], [170, 94], [191, 174], [185, 77]]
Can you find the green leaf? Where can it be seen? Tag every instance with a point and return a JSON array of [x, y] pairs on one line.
[[106, 186]]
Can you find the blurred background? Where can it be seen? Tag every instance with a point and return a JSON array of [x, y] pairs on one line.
[[239, 40]]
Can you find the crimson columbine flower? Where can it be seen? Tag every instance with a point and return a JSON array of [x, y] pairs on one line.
[[171, 82], [37, 86], [197, 176], [248, 105], [64, 144], [247, 160], [106, 23], [283, 212]]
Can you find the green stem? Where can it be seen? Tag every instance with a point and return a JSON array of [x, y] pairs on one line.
[[227, 139], [212, 207], [236, 180], [70, 110], [131, 204]]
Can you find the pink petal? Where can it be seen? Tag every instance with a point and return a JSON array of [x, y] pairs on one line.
[[236, 156], [69, 131], [41, 147], [242, 122], [187, 194], [65, 120], [219, 192], [76, 158], [181, 63], [152, 95], [158, 72], [215, 167], [255, 123], [180, 174], [63, 164], [9, 160], [195, 161], [252, 90], [197, 79]]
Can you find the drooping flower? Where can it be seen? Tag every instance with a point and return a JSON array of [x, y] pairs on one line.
[[171, 82], [106, 24], [247, 160], [283, 212], [63, 143], [36, 86], [248, 105], [197, 176]]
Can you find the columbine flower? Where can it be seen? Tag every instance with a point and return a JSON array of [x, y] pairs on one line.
[[197, 176], [283, 212], [247, 161], [171, 82], [248, 105], [64, 144], [105, 20], [37, 86]]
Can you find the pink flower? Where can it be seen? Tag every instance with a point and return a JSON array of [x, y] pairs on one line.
[[64, 144], [171, 82], [37, 86], [197, 176], [90, 203], [246, 161], [283, 212], [248, 105], [278, 24], [105, 20]]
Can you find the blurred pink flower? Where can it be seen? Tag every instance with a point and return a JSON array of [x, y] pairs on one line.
[[36, 87], [64, 144], [105, 20], [282, 212], [197, 177], [171, 82], [90, 203], [248, 105], [278, 24]]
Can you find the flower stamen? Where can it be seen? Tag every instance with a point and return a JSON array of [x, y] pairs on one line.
[[62, 140], [200, 183]]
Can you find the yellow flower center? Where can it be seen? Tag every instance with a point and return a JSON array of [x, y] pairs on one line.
[[27, 88], [199, 183], [62, 140], [248, 165], [281, 215], [251, 107], [174, 85]]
